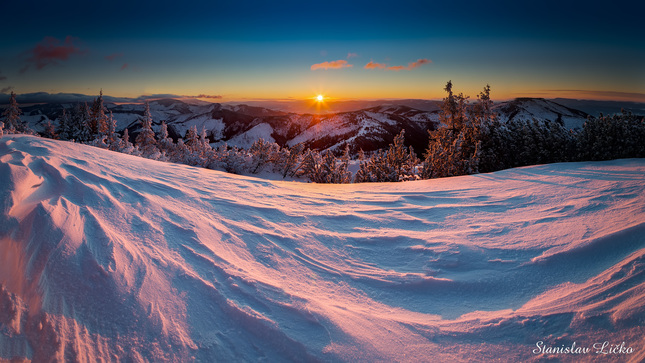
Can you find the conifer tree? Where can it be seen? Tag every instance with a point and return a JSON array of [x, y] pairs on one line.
[[261, 153], [98, 121], [205, 152], [165, 144], [79, 128], [112, 136], [125, 145], [145, 141], [11, 114], [362, 174], [455, 150], [181, 153], [193, 146], [64, 126], [49, 131]]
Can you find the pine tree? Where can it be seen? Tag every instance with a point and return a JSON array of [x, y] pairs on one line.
[[193, 146], [456, 150], [98, 121], [397, 157], [145, 141], [261, 153], [112, 136], [344, 175], [125, 146], [205, 152], [49, 131], [79, 128], [11, 114], [64, 126], [181, 153], [165, 144], [362, 174]]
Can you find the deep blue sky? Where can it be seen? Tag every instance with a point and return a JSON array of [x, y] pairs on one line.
[[269, 49]]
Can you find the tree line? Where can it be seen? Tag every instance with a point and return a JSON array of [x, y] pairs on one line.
[[473, 140]]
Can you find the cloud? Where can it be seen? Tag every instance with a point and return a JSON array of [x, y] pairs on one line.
[[50, 51], [202, 96], [207, 96], [410, 66], [352, 55], [113, 56], [3, 78], [44, 97], [374, 65], [124, 66], [338, 64]]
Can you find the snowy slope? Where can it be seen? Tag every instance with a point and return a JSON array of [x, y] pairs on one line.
[[540, 109], [105, 256]]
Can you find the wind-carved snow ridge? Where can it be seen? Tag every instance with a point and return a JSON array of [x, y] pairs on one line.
[[106, 256]]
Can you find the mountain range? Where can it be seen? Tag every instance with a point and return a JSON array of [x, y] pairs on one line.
[[369, 128]]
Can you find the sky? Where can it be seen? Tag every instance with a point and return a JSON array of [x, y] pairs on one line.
[[280, 50]]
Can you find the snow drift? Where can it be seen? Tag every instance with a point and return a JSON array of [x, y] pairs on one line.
[[105, 256]]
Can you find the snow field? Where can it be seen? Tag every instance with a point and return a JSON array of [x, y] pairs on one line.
[[110, 256]]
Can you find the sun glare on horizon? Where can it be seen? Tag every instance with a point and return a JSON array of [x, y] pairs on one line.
[[320, 98]]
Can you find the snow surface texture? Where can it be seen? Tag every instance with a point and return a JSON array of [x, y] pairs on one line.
[[105, 256]]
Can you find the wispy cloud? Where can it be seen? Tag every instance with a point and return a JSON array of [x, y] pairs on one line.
[[51, 50], [2, 78], [6, 89], [205, 96], [337, 64], [352, 55], [113, 56], [374, 65], [124, 66], [410, 66]]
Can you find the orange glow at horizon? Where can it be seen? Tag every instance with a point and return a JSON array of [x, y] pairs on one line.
[[320, 98]]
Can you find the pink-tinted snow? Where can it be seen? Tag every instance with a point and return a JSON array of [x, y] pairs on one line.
[[105, 256]]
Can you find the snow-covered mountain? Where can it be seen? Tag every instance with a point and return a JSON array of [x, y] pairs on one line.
[[540, 109], [110, 257], [241, 125], [368, 129]]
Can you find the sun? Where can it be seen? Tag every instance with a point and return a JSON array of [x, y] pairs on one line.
[[320, 98]]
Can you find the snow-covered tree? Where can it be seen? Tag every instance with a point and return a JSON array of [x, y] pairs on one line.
[[289, 160], [64, 129], [79, 129], [194, 147], [612, 137], [230, 159], [1, 128], [180, 153], [98, 121], [398, 163], [11, 114], [125, 146], [112, 138], [145, 140], [261, 153], [166, 145], [50, 131], [455, 150]]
